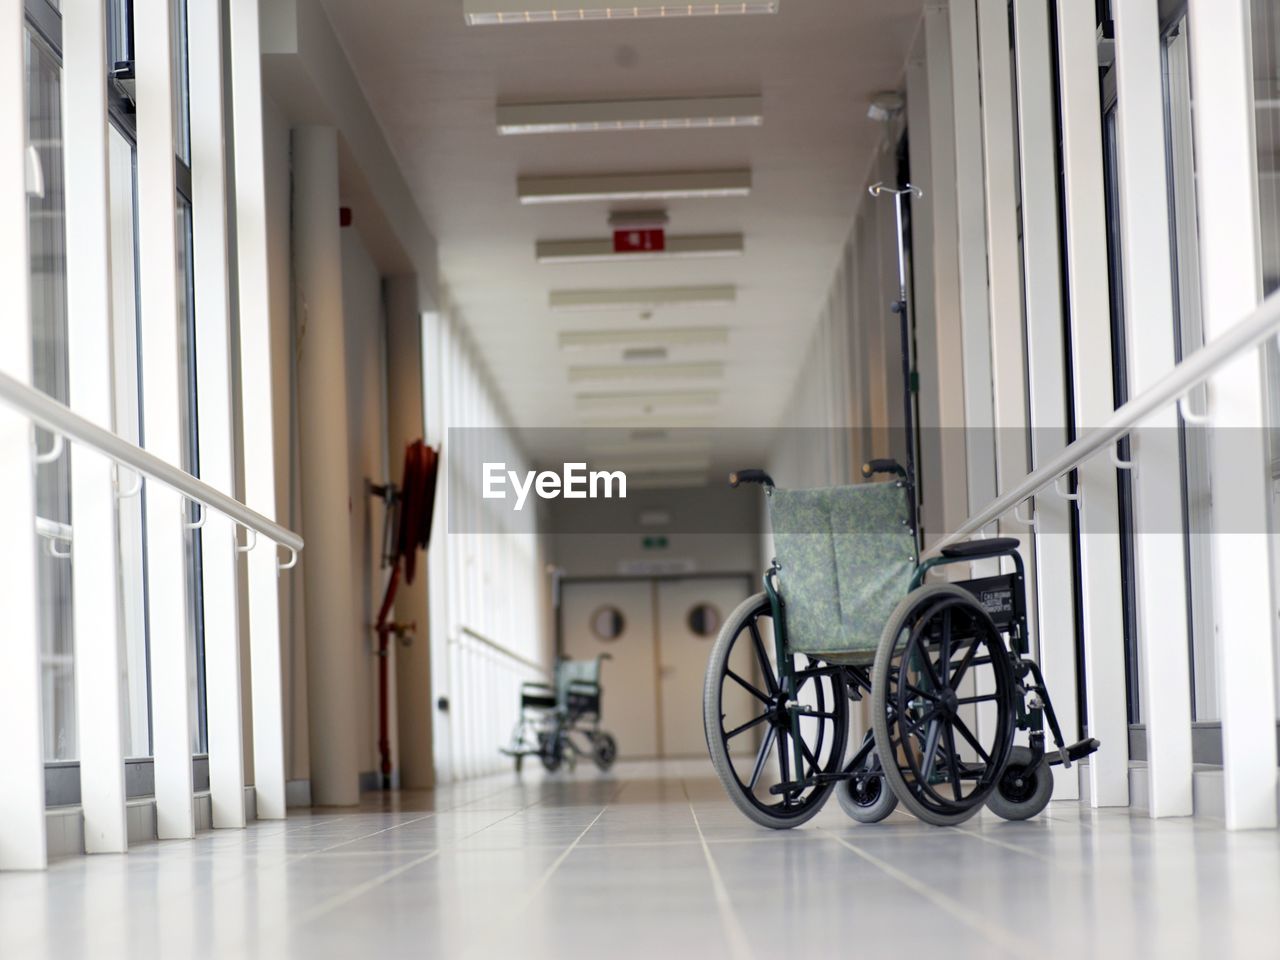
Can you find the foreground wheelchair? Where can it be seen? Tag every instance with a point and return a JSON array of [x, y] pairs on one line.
[[553, 714], [845, 616]]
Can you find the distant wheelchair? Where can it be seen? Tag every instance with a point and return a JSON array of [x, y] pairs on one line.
[[552, 715], [845, 616]]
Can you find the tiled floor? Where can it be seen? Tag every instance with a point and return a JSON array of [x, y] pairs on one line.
[[653, 862]]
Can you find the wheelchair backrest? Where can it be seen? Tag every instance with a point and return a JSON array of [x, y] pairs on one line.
[[847, 555], [575, 671]]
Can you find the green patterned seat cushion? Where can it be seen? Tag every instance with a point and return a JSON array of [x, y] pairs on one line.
[[847, 555]]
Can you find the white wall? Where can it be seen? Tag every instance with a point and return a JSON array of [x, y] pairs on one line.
[[736, 512], [368, 461], [849, 389], [494, 585]]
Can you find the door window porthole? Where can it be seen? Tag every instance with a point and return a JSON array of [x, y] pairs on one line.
[[607, 623], [704, 620]]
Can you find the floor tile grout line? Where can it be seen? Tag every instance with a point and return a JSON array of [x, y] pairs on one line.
[[1005, 939], [739, 944], [373, 883], [547, 874], [339, 900], [1006, 845], [550, 871]]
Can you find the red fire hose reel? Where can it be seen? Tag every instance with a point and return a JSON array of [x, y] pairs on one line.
[[409, 510]]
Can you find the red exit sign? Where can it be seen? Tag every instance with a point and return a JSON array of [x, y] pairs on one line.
[[648, 240]]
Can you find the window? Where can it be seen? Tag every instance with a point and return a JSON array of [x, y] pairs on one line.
[[1266, 85], [1189, 337], [1120, 389], [48, 244]]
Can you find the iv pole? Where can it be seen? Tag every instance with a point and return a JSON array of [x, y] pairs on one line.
[[900, 307]]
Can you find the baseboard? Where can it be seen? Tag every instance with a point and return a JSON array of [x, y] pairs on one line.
[[64, 826], [297, 793]]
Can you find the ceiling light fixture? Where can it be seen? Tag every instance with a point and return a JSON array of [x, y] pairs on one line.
[[644, 354], [638, 219], [609, 115], [677, 248], [647, 400], [646, 371], [711, 184], [622, 420], [643, 298], [493, 12], [644, 338]]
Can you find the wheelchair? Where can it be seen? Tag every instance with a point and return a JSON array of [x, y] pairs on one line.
[[553, 714], [846, 616]]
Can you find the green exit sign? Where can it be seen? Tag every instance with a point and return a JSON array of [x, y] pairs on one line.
[[654, 543]]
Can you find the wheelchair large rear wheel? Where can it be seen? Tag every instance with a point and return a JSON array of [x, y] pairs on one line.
[[943, 704], [748, 726]]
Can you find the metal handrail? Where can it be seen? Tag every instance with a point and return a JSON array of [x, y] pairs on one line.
[[1250, 332], [60, 420], [494, 645]]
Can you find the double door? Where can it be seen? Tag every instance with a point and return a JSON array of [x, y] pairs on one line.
[[659, 634]]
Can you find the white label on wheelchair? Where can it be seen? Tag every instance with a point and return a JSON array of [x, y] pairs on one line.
[[574, 483]]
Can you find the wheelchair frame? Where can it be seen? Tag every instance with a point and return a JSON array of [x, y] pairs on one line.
[[552, 713], [1003, 596], [995, 609]]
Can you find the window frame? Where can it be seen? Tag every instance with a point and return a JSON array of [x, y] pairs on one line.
[[45, 22]]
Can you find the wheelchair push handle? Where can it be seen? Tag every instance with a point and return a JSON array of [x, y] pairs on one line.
[[750, 476], [872, 467]]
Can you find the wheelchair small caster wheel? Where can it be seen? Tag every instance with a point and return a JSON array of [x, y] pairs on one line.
[[866, 798], [551, 757], [604, 751], [1023, 791]]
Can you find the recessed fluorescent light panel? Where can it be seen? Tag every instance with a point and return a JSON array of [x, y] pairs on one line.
[[481, 13], [644, 354], [643, 298], [621, 420], [712, 184], [609, 115], [644, 338], [646, 371], [646, 400], [678, 248]]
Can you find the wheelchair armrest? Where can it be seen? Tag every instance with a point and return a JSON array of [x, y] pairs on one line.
[[872, 467], [979, 549]]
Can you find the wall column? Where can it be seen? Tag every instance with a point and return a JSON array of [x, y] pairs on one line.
[[332, 645], [1231, 273], [167, 583], [253, 278], [98, 642], [1148, 304], [22, 837], [1046, 366]]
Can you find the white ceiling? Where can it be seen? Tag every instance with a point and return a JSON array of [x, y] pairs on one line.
[[434, 83]]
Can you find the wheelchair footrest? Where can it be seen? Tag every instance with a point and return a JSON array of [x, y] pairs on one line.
[[1076, 751]]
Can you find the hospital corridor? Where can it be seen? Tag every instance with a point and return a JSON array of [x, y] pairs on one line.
[[561, 479]]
